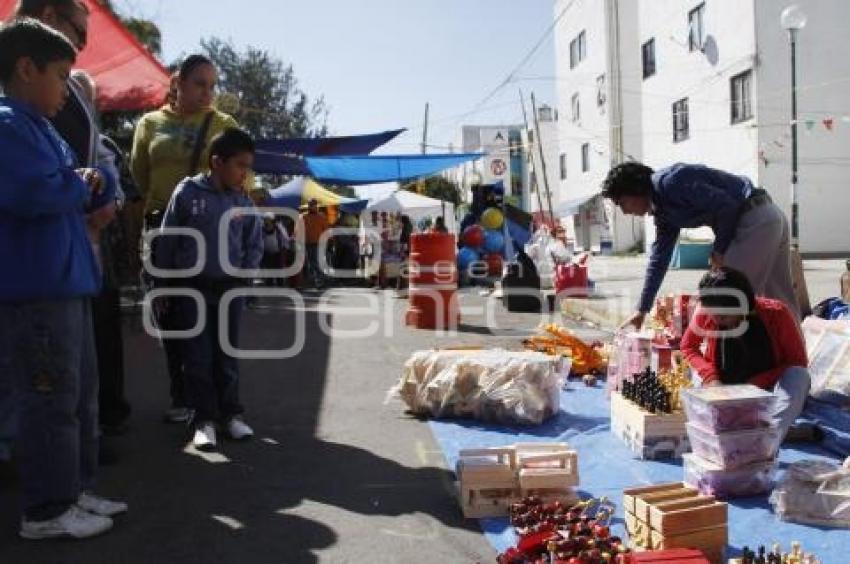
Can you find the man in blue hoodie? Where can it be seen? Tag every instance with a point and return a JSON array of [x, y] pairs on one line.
[[47, 354], [208, 204], [750, 232]]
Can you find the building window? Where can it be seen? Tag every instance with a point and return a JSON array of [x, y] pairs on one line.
[[648, 57], [681, 130], [578, 49], [601, 95], [576, 107], [696, 30], [742, 102], [562, 160], [585, 157]]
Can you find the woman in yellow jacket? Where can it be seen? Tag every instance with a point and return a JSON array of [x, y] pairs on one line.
[[170, 144], [166, 146]]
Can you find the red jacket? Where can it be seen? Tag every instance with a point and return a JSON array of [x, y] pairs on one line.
[[789, 349]]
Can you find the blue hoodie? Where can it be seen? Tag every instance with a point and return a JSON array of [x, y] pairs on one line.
[[197, 204], [45, 253]]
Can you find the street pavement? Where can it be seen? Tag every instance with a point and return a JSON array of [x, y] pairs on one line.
[[335, 474]]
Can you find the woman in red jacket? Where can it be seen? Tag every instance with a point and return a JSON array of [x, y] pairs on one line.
[[758, 344]]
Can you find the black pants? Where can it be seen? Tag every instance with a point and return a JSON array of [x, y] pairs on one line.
[[106, 318]]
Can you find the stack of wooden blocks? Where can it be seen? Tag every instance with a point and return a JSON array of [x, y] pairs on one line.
[[667, 516], [650, 436], [491, 479]]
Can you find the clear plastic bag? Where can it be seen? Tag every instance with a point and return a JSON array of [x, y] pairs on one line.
[[488, 385], [814, 492]]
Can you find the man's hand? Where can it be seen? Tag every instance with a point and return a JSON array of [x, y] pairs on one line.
[[93, 178], [635, 321], [715, 261]]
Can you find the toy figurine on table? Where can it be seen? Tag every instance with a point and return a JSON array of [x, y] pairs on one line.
[[760, 344]]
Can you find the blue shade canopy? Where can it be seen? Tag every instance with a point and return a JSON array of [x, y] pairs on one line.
[[373, 169], [286, 156]]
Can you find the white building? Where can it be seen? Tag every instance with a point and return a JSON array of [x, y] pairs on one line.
[[595, 70], [505, 160], [709, 82], [536, 197]]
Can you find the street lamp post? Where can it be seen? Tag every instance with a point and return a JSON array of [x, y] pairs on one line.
[[793, 20]]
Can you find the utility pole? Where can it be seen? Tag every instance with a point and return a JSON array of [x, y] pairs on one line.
[[542, 158], [534, 183], [425, 131]]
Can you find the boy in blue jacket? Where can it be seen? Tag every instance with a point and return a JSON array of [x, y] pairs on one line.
[[47, 354], [202, 203]]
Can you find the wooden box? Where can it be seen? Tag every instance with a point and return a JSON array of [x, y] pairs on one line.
[[669, 516], [650, 436], [491, 479]]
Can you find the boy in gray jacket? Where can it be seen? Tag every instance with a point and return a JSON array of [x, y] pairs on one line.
[[204, 203]]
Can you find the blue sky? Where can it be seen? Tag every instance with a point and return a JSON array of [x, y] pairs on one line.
[[377, 62]]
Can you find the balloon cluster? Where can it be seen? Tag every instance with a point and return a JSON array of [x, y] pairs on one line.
[[484, 245]]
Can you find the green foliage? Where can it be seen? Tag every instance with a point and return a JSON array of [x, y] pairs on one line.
[[437, 187], [146, 32], [270, 102]]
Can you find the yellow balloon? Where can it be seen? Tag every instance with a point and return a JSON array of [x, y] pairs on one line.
[[492, 218]]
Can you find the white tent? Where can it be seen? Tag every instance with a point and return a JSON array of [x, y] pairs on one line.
[[415, 206]]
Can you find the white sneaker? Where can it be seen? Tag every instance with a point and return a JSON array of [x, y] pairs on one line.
[[100, 506], [178, 415], [75, 523], [238, 429], [204, 438]]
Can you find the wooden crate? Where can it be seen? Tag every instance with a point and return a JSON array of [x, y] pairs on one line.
[[491, 479], [668, 516], [650, 436], [546, 466]]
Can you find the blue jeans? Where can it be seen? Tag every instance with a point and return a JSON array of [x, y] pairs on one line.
[[313, 269], [791, 391], [48, 360], [212, 377]]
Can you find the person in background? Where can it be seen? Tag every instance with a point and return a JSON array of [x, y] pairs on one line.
[[114, 409], [46, 338], [761, 345], [169, 145], [200, 202], [440, 226], [751, 233], [315, 224], [275, 247], [404, 244]]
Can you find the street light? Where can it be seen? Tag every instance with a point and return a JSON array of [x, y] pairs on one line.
[[793, 19]]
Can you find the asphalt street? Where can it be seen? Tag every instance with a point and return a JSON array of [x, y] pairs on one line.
[[335, 473]]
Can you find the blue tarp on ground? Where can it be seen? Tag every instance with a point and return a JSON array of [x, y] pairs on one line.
[[286, 156], [606, 468], [374, 169]]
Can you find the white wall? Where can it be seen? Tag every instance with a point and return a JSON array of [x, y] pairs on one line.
[[701, 77], [823, 79], [551, 151]]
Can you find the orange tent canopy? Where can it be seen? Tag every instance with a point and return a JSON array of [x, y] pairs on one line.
[[128, 77]]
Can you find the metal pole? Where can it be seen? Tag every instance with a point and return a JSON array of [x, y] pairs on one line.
[[535, 185], [542, 158], [795, 232]]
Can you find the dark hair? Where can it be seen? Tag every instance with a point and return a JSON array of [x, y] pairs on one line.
[[713, 284], [35, 8], [30, 38], [231, 142], [627, 179], [190, 63]]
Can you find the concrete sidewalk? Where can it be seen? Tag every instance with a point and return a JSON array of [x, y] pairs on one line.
[[619, 281]]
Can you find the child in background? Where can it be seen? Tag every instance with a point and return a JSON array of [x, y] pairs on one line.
[[200, 203], [47, 355]]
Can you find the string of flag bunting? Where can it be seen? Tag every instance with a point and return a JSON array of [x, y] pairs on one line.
[[829, 125]]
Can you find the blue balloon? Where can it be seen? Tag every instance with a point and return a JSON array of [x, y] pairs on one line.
[[465, 257], [494, 241]]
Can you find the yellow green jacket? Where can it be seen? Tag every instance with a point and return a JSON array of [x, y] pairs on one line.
[[162, 151]]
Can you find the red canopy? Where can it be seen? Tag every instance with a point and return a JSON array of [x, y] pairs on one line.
[[128, 77]]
